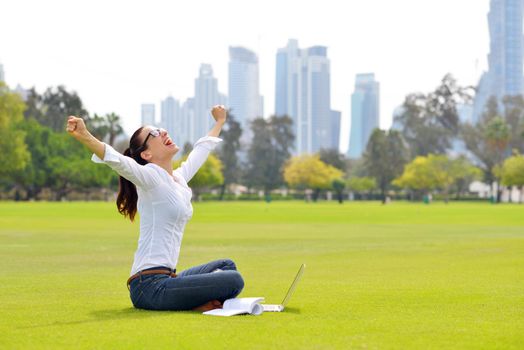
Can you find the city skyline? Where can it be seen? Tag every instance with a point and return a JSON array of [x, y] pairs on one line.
[[403, 43], [505, 58]]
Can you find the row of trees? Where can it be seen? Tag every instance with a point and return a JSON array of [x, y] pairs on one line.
[[431, 128], [39, 155]]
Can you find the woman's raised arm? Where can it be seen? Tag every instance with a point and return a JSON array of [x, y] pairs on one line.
[[126, 167], [77, 128]]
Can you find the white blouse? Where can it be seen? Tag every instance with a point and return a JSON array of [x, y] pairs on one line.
[[164, 202]]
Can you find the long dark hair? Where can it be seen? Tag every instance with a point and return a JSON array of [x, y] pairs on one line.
[[127, 194]]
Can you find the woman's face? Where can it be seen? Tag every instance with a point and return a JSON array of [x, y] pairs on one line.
[[159, 145]]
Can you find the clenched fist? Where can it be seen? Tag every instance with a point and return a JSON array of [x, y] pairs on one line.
[[219, 113], [76, 127]]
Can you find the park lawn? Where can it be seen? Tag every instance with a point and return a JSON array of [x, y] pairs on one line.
[[400, 276]]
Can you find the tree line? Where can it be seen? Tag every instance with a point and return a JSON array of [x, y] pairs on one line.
[[40, 161]]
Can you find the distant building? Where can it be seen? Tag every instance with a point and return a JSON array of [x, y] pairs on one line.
[[365, 113], [335, 130], [187, 112], [23, 93], [148, 114], [2, 76], [206, 96], [505, 59], [302, 92], [171, 118], [245, 101]]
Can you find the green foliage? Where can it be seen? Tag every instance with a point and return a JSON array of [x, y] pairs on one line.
[[209, 174], [12, 147], [228, 150], [436, 172], [361, 184], [308, 171], [54, 106], [58, 162], [269, 150], [513, 171], [385, 157], [493, 137], [333, 157], [429, 122], [105, 128]]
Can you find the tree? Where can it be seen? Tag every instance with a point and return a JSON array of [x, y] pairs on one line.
[[333, 157], [105, 128], [209, 174], [270, 148], [72, 169], [429, 122], [228, 152], [435, 172], [464, 173], [418, 176], [36, 174], [338, 186], [12, 147], [513, 173], [495, 135], [54, 106], [385, 157], [309, 172], [361, 185], [514, 118]]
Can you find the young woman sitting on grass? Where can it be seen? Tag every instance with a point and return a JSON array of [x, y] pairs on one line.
[[149, 186]]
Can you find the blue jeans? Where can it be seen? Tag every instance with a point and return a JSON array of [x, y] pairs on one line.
[[191, 288]]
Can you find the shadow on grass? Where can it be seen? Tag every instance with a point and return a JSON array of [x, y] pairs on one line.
[[292, 310], [128, 313]]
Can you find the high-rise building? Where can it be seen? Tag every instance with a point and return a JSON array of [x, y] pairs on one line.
[[245, 101], [188, 122], [302, 92], [206, 96], [505, 59], [335, 130], [364, 113], [170, 117], [148, 114], [2, 77]]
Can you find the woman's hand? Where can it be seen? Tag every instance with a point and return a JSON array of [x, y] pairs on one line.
[[219, 113], [76, 127]]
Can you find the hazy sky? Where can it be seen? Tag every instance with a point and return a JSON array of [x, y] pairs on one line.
[[119, 54]]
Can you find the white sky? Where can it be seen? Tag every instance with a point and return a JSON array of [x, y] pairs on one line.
[[119, 54]]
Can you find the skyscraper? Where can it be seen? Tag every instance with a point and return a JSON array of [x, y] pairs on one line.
[[171, 118], [148, 114], [244, 96], [206, 96], [302, 91], [505, 59], [364, 113], [335, 130], [2, 77]]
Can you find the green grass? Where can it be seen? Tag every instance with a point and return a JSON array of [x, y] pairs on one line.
[[401, 276]]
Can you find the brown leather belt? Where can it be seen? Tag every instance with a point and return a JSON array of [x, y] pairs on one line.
[[150, 272]]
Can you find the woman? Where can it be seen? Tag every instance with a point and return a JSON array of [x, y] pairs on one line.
[[149, 186]]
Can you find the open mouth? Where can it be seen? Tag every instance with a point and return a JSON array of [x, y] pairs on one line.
[[168, 142]]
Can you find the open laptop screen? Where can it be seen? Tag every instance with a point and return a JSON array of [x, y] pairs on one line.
[[293, 285]]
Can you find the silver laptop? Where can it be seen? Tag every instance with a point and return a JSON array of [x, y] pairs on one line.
[[279, 308]]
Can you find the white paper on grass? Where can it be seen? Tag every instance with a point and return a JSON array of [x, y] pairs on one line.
[[239, 306]]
